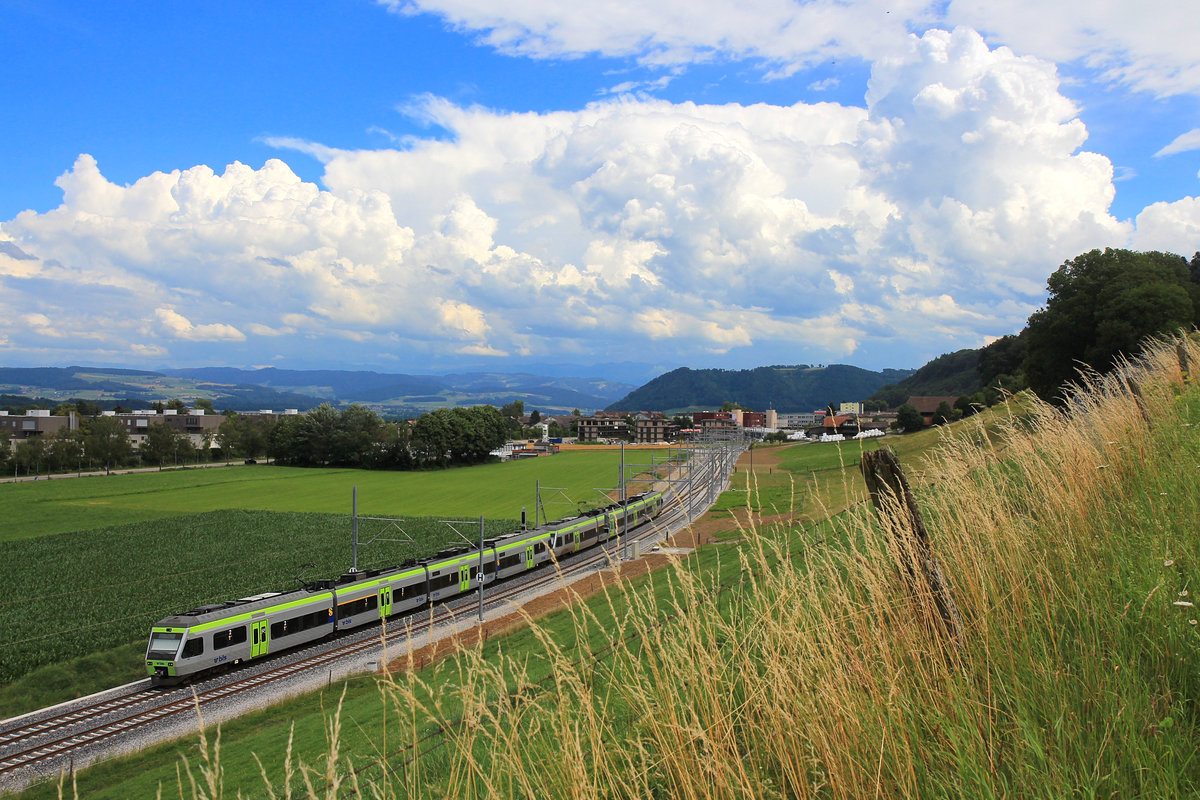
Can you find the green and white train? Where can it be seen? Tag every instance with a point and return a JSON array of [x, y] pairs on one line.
[[212, 637]]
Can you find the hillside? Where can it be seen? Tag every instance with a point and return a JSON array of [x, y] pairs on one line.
[[784, 388], [242, 389], [953, 374]]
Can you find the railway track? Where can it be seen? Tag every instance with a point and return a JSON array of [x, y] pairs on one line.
[[36, 745]]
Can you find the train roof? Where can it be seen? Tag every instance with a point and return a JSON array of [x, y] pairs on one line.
[[242, 606]]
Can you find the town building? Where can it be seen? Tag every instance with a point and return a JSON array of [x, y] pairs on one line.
[[928, 405], [594, 428], [799, 421], [33, 424], [652, 428]]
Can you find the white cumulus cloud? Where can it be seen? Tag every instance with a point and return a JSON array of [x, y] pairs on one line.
[[177, 326], [801, 232]]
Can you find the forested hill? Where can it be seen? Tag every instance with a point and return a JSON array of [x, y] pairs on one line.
[[784, 388], [953, 374]]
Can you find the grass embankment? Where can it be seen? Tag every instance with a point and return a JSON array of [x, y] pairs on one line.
[[797, 664], [78, 604]]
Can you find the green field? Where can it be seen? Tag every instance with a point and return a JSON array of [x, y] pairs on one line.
[[90, 563], [491, 490]]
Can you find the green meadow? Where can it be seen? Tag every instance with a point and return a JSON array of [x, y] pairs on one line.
[[492, 490]]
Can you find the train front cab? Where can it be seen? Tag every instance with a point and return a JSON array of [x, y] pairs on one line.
[[162, 653], [217, 636]]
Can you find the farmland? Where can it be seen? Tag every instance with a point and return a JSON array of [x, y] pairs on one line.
[[493, 490], [91, 563]]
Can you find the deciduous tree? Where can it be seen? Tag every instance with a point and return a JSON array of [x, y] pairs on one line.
[[908, 419], [1102, 305], [106, 442]]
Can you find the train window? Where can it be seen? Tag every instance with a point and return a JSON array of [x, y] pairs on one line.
[[194, 647], [540, 547], [223, 639], [163, 645], [358, 606]]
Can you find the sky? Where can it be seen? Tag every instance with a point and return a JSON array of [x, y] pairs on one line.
[[622, 188]]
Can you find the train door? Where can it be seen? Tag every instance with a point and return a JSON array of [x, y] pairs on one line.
[[464, 577], [260, 634], [577, 535], [385, 602], [529, 557]]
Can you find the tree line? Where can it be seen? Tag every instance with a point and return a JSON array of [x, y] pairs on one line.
[[351, 437]]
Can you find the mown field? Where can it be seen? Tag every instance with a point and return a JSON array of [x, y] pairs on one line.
[[491, 490], [91, 563]]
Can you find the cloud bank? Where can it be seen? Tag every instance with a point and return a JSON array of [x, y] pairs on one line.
[[811, 232]]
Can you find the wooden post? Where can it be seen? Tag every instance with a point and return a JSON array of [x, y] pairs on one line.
[[1136, 391], [1185, 369], [896, 508]]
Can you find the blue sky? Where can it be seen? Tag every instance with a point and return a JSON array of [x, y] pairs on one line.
[[430, 185]]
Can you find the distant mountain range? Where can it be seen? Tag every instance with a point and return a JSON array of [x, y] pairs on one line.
[[784, 388], [242, 389]]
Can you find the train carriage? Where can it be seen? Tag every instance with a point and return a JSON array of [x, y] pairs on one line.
[[568, 536], [239, 630], [456, 571], [370, 595], [519, 552]]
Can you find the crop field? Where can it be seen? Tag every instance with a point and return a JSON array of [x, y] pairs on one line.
[[83, 592], [91, 563], [493, 490]]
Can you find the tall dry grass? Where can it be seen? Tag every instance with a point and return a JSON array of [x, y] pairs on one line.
[[806, 667]]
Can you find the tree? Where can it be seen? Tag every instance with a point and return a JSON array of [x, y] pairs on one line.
[[908, 419], [1102, 305], [204, 404], [163, 444], [286, 443], [229, 435], [106, 442], [964, 406], [358, 432], [31, 455], [513, 410], [945, 413], [535, 417], [66, 450], [177, 405], [1000, 358]]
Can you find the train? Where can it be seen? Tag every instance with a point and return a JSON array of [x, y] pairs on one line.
[[210, 638]]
